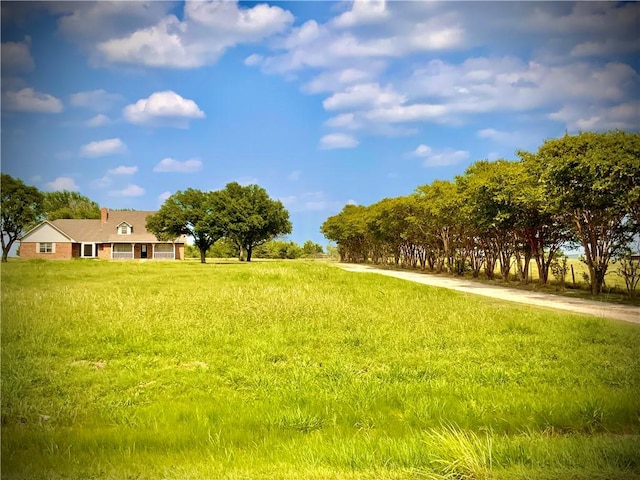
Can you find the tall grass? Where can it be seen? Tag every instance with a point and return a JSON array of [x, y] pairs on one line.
[[301, 370]]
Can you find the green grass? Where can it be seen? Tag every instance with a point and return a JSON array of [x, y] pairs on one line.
[[291, 370]]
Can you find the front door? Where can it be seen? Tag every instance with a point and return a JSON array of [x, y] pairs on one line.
[[143, 250]]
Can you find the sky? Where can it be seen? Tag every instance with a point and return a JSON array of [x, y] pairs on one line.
[[320, 103]]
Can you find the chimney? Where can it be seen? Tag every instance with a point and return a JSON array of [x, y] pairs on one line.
[[104, 215]]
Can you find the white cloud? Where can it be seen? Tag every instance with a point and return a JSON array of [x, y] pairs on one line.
[[337, 44], [439, 157], [172, 165], [624, 116], [337, 140], [62, 183], [316, 201], [369, 95], [422, 151], [89, 22], [101, 182], [101, 148], [253, 59], [555, 79], [98, 121], [16, 57], [362, 12], [165, 108], [295, 175], [344, 120], [99, 100], [336, 80], [28, 100], [408, 113], [123, 170], [206, 31], [163, 196], [130, 190]]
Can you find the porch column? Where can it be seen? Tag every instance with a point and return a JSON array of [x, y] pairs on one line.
[[133, 251], [174, 250], [111, 250], [153, 251]]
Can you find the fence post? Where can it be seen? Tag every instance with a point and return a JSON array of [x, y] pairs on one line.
[[573, 276]]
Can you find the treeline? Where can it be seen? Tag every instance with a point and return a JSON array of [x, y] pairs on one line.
[[581, 190], [273, 249]]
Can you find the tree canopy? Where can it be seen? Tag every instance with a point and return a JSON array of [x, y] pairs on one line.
[[252, 216], [595, 179], [245, 215], [578, 189], [192, 212], [20, 209], [66, 204]]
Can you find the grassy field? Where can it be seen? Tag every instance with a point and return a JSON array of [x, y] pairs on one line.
[[299, 370]]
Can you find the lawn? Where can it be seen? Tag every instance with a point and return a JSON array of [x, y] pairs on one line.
[[299, 370]]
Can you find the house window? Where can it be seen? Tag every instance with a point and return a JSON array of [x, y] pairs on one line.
[[124, 229], [164, 250], [88, 250], [122, 250], [46, 247]]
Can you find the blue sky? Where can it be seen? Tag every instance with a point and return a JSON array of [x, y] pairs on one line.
[[321, 103]]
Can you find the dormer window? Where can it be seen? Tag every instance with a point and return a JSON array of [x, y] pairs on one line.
[[124, 229]]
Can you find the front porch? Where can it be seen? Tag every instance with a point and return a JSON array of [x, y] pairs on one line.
[[152, 251]]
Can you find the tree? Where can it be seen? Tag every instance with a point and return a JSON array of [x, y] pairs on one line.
[[490, 192], [541, 223], [311, 249], [192, 212], [278, 249], [66, 204], [21, 208], [349, 230], [252, 217], [441, 200], [595, 178]]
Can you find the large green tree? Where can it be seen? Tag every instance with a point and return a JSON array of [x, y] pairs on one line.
[[191, 212], [595, 179], [441, 201], [252, 217], [20, 209], [488, 190], [66, 204], [541, 224], [350, 231]]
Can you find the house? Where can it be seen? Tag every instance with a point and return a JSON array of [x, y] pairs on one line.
[[119, 234]]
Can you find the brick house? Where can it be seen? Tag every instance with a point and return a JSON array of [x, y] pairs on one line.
[[118, 235]]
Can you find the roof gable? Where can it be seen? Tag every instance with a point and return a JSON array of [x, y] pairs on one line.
[[46, 232]]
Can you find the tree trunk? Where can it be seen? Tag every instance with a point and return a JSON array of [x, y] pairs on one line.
[[6, 248], [249, 251], [203, 255]]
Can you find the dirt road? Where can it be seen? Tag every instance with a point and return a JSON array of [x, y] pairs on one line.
[[599, 309]]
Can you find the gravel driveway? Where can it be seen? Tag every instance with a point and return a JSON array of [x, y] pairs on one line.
[[589, 307]]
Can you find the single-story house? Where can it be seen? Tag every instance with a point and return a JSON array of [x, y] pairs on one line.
[[119, 234]]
